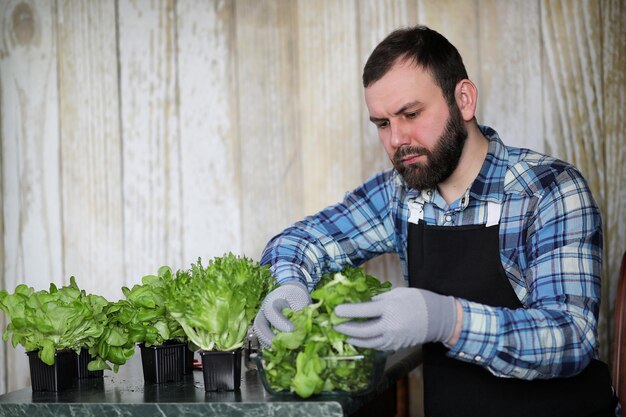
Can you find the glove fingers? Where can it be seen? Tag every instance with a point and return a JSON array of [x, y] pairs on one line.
[[369, 343], [273, 314], [360, 329], [359, 310], [262, 330]]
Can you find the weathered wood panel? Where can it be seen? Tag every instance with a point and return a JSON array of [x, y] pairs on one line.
[[150, 137], [30, 153], [210, 197], [270, 159], [510, 72], [330, 124], [613, 16], [91, 172]]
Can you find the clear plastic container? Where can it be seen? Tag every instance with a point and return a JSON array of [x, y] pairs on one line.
[[349, 375]]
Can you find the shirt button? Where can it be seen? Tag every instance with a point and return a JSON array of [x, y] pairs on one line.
[[461, 354], [448, 218], [478, 358]]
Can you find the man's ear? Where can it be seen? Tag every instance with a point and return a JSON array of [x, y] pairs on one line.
[[466, 95]]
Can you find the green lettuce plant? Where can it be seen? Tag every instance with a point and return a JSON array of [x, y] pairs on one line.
[[216, 304], [114, 346], [140, 317], [53, 320], [148, 320]]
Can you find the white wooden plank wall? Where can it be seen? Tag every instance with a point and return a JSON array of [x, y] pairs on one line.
[[150, 136], [328, 82], [269, 160], [90, 146], [31, 188], [209, 156], [510, 72], [612, 17], [139, 133]]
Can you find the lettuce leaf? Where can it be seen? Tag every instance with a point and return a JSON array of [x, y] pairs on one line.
[[216, 304], [147, 318]]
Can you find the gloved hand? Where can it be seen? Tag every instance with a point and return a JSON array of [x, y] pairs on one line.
[[291, 294], [399, 318]]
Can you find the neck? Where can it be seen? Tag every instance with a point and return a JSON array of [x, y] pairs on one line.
[[472, 158]]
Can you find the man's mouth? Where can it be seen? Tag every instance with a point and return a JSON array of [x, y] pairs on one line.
[[412, 159]]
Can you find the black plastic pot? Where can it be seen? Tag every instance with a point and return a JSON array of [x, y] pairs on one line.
[[163, 363], [83, 360], [58, 377], [189, 356], [221, 370]]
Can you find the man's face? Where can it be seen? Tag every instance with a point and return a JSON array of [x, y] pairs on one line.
[[422, 136]]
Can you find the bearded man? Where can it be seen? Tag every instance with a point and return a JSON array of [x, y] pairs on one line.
[[501, 248]]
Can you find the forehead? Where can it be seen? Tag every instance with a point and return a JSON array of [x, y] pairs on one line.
[[405, 82]]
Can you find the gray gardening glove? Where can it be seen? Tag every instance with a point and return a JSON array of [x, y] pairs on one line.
[[291, 294], [399, 318]]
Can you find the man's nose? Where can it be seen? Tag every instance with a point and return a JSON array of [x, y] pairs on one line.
[[399, 135]]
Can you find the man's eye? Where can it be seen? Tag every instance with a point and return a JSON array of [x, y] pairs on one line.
[[382, 125], [411, 115]]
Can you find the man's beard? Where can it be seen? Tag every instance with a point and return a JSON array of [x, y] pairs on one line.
[[440, 162]]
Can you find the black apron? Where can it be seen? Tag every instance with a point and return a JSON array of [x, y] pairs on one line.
[[464, 261]]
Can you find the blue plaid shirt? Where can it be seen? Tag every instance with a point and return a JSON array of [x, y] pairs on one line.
[[550, 248]]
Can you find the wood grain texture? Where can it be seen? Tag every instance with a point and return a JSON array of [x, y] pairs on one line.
[[30, 153], [509, 96], [150, 135], [330, 125], [270, 162], [613, 16], [209, 157], [91, 173]]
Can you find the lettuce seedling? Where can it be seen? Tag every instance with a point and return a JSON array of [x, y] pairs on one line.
[[148, 320], [323, 360], [114, 345], [141, 317], [53, 320], [216, 304]]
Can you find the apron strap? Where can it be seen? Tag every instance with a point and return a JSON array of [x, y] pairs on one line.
[[416, 211], [493, 213]]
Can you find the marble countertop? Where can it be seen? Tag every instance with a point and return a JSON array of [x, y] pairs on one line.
[[125, 394]]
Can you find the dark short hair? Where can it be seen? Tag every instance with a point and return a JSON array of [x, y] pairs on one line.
[[427, 49]]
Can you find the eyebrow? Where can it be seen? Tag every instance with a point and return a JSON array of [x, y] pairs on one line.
[[399, 111]]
